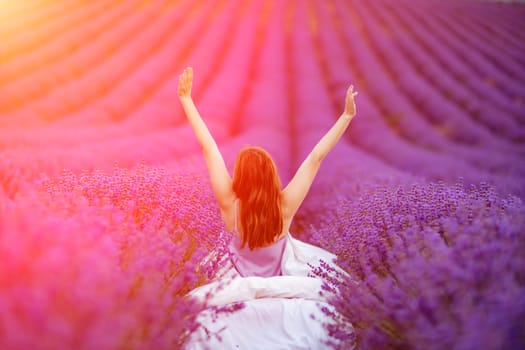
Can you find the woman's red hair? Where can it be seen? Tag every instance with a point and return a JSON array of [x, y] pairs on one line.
[[257, 185]]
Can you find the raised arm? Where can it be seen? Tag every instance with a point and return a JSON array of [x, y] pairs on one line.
[[295, 192], [220, 178]]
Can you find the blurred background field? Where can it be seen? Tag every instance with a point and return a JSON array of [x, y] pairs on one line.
[[106, 214]]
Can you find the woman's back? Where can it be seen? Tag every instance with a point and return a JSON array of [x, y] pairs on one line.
[[261, 261]]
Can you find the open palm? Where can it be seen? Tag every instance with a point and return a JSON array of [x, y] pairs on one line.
[[350, 101], [185, 82]]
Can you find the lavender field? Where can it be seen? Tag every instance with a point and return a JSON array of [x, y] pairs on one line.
[[107, 217]]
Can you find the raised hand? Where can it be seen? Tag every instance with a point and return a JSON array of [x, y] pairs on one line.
[[185, 82], [350, 101]]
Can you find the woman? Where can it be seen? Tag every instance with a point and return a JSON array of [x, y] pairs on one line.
[[252, 203], [259, 213]]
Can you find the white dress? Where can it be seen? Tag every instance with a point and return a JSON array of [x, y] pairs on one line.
[[282, 312]]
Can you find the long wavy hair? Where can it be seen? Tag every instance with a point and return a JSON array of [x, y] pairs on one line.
[[257, 184]]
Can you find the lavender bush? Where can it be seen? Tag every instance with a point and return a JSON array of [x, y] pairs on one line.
[[103, 260], [431, 266]]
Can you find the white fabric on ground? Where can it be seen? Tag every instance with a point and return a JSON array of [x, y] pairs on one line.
[[282, 312]]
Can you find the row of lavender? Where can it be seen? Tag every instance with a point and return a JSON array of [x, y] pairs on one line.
[[416, 111], [447, 112], [150, 132], [90, 250]]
